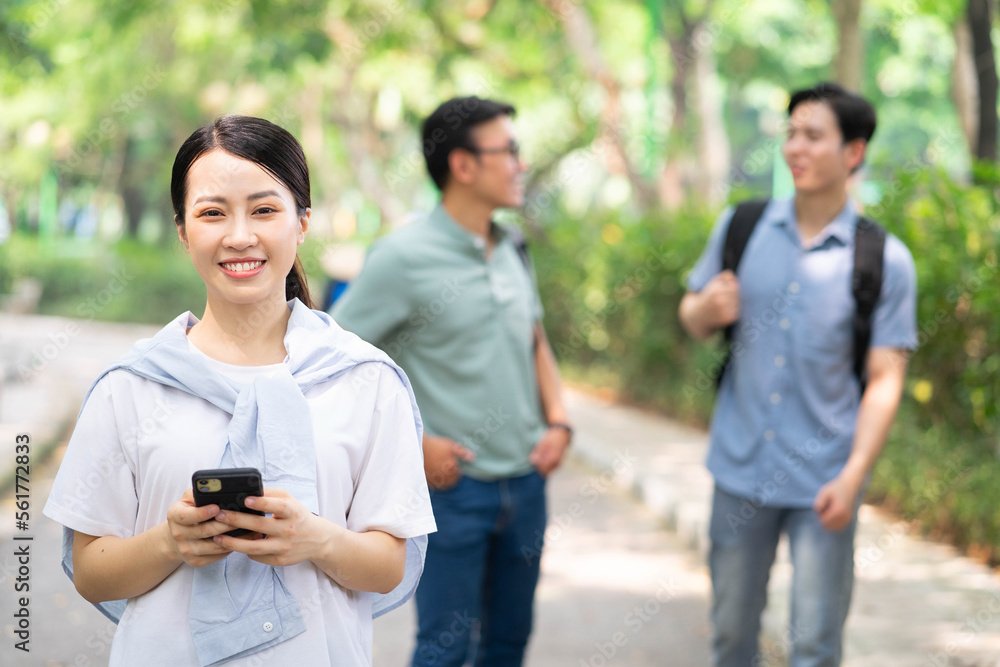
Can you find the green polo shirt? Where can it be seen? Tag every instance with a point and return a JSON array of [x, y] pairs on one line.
[[461, 326]]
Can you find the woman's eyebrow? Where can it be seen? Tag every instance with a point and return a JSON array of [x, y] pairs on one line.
[[222, 200], [217, 199], [266, 193]]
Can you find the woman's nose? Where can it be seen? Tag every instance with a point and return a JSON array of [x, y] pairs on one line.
[[240, 234]]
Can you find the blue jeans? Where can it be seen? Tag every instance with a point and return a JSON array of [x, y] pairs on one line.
[[744, 541], [480, 574]]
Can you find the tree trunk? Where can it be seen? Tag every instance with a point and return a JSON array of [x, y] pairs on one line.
[[964, 88], [133, 196], [980, 16], [850, 47], [713, 143], [352, 114], [581, 37], [672, 185]]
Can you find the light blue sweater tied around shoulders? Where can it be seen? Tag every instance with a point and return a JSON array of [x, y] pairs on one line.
[[271, 430]]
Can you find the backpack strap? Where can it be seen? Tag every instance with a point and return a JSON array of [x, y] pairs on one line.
[[741, 226], [866, 286], [520, 244]]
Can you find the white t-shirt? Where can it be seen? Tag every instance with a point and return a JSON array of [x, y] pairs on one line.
[[132, 455]]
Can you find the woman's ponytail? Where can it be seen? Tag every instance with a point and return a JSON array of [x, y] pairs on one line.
[[296, 286]]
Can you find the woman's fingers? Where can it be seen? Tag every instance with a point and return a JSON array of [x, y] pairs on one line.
[[251, 522], [185, 513]]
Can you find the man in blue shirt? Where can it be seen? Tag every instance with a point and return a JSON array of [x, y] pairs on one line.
[[451, 298], [793, 437]]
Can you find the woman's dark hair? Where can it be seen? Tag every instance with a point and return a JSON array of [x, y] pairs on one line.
[[448, 128], [270, 147]]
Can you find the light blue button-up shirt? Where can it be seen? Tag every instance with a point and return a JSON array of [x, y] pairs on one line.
[[785, 415]]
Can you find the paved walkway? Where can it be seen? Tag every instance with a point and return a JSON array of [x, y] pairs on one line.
[[916, 603], [617, 589]]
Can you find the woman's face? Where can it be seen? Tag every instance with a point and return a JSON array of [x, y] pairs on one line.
[[241, 228]]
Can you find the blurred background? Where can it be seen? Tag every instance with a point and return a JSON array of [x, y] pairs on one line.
[[641, 120]]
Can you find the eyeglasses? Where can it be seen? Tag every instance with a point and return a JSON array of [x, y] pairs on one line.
[[513, 148]]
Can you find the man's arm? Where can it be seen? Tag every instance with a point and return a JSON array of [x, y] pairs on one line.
[[886, 371], [716, 306], [549, 451]]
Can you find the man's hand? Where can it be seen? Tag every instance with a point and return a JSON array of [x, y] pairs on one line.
[[548, 453], [714, 307], [835, 502], [441, 461], [721, 305], [886, 371]]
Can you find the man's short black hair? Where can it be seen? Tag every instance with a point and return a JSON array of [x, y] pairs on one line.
[[855, 115], [448, 128]]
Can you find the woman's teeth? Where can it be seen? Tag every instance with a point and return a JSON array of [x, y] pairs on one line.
[[242, 266]]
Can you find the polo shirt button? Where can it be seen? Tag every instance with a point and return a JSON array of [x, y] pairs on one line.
[[775, 398], [785, 323], [779, 361], [268, 626], [769, 434], [794, 288]]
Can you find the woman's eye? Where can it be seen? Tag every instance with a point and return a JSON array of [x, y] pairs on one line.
[[264, 210], [211, 213]]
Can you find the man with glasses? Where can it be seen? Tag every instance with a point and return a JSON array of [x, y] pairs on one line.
[[451, 297]]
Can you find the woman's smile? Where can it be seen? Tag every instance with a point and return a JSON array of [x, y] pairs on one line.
[[242, 267]]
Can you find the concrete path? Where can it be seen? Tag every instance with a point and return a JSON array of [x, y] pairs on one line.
[[616, 589], [623, 576], [916, 603]]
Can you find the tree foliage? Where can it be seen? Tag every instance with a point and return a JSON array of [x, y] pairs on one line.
[[642, 96]]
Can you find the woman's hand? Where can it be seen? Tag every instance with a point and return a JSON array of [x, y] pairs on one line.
[[294, 534], [368, 561], [190, 531]]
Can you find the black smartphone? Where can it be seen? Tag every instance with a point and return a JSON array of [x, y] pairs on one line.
[[227, 488]]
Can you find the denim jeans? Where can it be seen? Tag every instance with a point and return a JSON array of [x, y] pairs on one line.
[[480, 574], [744, 540]]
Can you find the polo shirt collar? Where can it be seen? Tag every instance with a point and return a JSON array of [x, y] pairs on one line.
[[440, 219], [841, 228]]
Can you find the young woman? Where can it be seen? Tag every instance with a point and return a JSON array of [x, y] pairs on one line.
[[263, 381]]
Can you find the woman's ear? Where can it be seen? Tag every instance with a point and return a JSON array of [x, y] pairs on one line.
[[304, 225], [182, 233]]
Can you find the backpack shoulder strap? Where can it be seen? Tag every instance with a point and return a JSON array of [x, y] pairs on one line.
[[866, 286], [520, 244], [741, 226]]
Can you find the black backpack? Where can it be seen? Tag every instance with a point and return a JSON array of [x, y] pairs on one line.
[[866, 279]]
